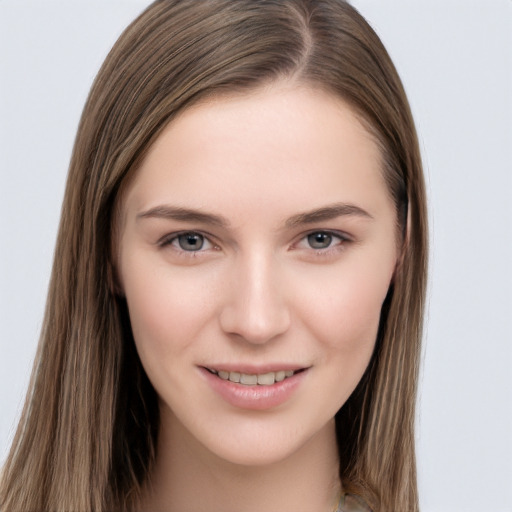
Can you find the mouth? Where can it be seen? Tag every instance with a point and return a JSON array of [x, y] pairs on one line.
[[254, 379]]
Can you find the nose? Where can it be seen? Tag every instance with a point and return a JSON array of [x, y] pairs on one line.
[[255, 308]]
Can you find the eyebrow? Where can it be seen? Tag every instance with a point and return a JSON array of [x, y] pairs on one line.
[[324, 213], [329, 212], [184, 215]]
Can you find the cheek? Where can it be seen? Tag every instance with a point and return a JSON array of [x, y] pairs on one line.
[[167, 309], [345, 311]]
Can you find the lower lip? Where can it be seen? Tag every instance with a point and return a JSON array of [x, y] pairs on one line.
[[256, 397]]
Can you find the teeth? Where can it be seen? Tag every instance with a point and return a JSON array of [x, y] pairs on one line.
[[234, 376], [280, 375], [267, 379], [248, 379], [263, 379]]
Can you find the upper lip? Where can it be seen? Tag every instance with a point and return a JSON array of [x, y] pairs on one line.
[[252, 369]]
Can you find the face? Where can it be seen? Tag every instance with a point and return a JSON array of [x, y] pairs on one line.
[[257, 245]]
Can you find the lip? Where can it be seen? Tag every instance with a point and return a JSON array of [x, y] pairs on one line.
[[256, 398]]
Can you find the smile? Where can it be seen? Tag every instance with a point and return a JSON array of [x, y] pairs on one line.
[[255, 388], [248, 379]]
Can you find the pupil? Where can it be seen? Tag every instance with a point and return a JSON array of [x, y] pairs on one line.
[[319, 240], [191, 242]]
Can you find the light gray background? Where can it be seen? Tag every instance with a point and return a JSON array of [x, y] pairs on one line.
[[455, 58]]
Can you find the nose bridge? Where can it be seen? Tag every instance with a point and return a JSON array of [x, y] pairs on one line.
[[256, 309]]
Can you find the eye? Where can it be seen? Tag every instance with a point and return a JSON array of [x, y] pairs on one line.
[[189, 241], [320, 240]]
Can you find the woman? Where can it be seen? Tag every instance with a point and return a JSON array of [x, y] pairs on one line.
[[235, 310]]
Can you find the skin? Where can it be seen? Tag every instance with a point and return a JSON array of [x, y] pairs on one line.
[[256, 292]]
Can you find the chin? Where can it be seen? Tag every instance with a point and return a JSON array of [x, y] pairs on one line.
[[267, 445], [257, 455]]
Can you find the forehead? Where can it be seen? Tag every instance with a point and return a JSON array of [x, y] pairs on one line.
[[279, 147]]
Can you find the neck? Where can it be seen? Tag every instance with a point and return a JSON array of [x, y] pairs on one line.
[[189, 478]]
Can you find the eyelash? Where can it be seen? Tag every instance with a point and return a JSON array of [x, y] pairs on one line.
[[174, 238]]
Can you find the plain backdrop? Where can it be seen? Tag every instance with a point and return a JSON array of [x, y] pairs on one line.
[[455, 58]]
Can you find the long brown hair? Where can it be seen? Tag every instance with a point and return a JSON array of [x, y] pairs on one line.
[[86, 439]]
